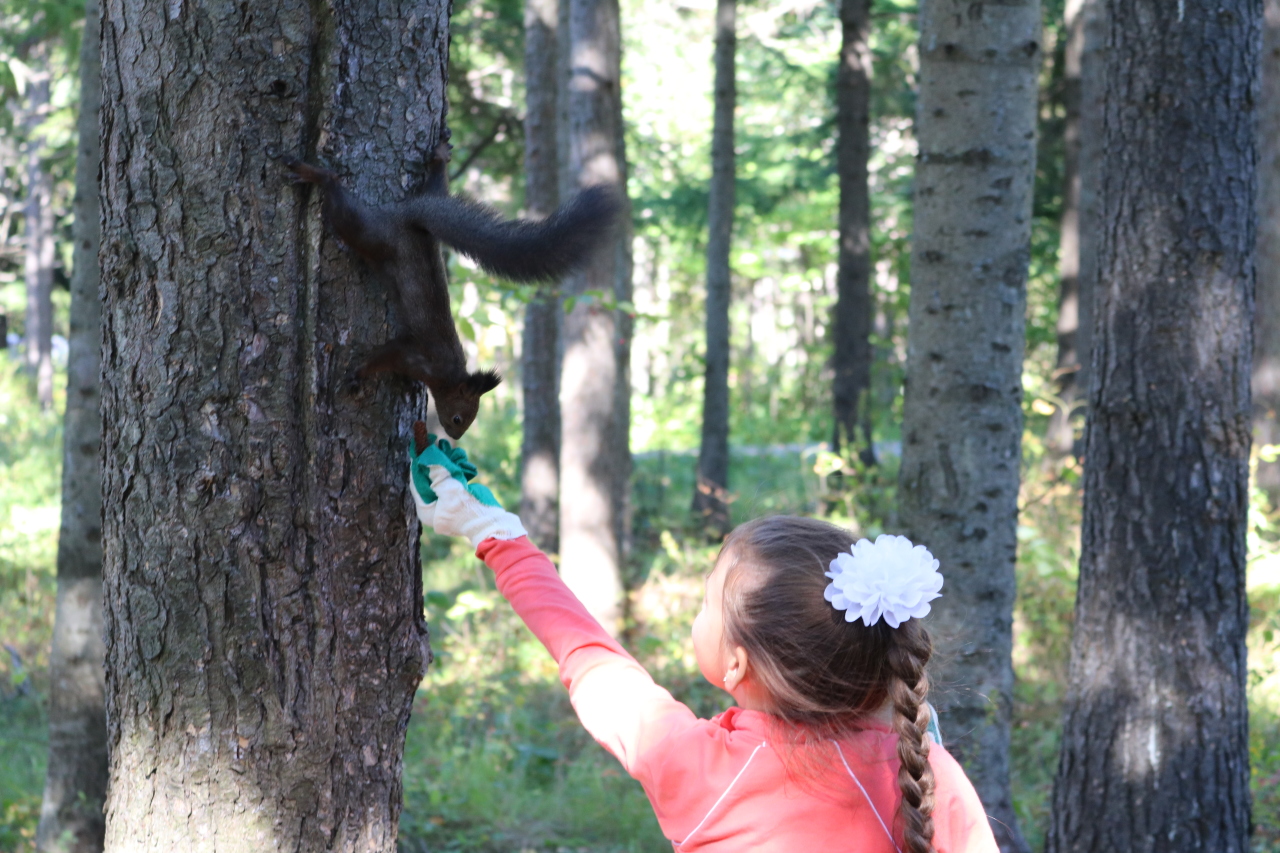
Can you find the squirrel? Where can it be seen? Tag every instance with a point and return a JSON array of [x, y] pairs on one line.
[[402, 241]]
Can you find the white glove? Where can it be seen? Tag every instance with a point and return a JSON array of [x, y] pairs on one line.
[[457, 508], [458, 512]]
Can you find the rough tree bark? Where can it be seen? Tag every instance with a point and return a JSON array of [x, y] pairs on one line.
[[962, 417], [76, 782], [263, 597], [1266, 324], [1154, 745], [595, 460], [38, 236], [540, 352], [851, 326], [711, 490]]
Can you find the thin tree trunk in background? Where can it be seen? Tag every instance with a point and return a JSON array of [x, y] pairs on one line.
[[624, 329], [263, 593], [1093, 55], [711, 491], [594, 452], [851, 328], [1266, 323], [76, 782], [1155, 753], [962, 416], [1060, 437], [38, 214], [540, 353]]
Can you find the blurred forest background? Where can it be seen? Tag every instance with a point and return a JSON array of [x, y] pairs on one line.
[[495, 759]]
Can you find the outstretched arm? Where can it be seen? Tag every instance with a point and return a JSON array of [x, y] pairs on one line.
[[614, 697]]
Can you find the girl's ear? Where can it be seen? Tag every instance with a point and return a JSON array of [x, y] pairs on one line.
[[737, 667]]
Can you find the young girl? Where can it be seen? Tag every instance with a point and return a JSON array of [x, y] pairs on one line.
[[817, 639]]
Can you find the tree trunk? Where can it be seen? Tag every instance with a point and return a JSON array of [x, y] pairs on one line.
[[1060, 438], [1092, 63], [1266, 324], [263, 596], [594, 457], [38, 214], [711, 492], [76, 783], [1154, 744], [962, 416], [1077, 246], [540, 355], [851, 327]]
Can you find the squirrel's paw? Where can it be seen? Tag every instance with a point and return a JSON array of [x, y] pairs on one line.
[[305, 173]]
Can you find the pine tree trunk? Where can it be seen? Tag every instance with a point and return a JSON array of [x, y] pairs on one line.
[[962, 417], [851, 328], [711, 492], [540, 356], [594, 397], [1266, 324], [263, 595], [1154, 744], [39, 255], [76, 781]]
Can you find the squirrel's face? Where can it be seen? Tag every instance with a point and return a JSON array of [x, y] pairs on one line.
[[457, 406], [456, 415]]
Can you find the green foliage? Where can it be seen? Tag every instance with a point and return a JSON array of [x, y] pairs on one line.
[[30, 501], [37, 37]]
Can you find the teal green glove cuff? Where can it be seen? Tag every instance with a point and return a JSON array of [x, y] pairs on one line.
[[455, 461]]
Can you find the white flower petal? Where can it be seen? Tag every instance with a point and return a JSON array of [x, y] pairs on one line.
[[891, 578]]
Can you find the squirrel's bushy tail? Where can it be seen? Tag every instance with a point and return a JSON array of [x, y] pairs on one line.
[[521, 249]]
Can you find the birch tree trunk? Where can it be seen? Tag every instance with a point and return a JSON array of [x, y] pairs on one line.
[[851, 328], [962, 417], [1266, 323], [263, 595], [39, 248], [1154, 745], [711, 491], [76, 781], [540, 353]]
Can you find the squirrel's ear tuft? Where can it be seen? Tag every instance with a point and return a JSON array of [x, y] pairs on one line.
[[482, 381]]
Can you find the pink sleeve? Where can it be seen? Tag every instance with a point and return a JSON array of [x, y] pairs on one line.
[[614, 697], [960, 823]]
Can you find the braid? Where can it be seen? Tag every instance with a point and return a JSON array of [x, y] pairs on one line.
[[908, 686]]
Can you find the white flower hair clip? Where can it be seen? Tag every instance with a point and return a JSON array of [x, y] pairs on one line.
[[890, 578]]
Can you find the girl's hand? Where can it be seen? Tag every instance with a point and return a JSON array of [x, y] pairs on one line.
[[451, 505]]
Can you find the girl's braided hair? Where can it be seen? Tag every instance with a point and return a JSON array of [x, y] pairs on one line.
[[823, 674]]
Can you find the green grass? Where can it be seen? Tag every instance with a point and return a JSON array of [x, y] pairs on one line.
[[517, 774], [24, 746]]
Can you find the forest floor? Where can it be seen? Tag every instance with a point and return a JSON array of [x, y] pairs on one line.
[[495, 760]]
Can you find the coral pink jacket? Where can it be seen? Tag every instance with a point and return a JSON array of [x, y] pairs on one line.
[[718, 784]]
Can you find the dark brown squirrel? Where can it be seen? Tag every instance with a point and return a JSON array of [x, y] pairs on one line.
[[402, 241]]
